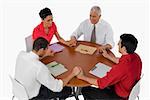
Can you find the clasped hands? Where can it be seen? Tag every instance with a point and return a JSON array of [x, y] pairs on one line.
[[78, 72]]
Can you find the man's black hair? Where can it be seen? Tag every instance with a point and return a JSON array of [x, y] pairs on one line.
[[40, 43], [129, 41]]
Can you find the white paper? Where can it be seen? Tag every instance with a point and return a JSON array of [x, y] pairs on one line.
[[100, 70], [84, 49], [56, 47], [56, 68]]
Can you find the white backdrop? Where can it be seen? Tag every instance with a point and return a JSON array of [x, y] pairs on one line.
[[19, 17]]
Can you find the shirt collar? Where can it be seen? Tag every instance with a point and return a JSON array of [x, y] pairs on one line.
[[100, 20], [33, 55]]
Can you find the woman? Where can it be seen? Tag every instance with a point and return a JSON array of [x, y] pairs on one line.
[[47, 27]]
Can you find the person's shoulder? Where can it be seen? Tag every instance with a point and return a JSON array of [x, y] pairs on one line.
[[125, 58], [136, 56], [22, 54], [104, 22], [54, 25], [85, 22], [130, 57], [38, 26]]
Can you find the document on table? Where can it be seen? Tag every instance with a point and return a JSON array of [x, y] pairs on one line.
[[56, 68], [56, 47], [84, 49], [100, 70]]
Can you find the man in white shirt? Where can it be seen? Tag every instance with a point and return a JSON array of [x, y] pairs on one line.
[[35, 76], [94, 30]]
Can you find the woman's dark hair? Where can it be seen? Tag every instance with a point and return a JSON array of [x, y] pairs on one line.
[[40, 43], [45, 12], [129, 41]]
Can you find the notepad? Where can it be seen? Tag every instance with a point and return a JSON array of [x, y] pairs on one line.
[[56, 68], [100, 70], [84, 49], [56, 47]]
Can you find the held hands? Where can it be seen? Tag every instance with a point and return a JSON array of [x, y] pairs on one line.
[[104, 47], [64, 42], [101, 48], [81, 74], [67, 43], [105, 54], [77, 71], [72, 42]]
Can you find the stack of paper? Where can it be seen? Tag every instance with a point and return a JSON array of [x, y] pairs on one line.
[[56, 47], [100, 70], [85, 49], [56, 68]]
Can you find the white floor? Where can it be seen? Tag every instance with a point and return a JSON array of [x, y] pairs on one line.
[[70, 98], [73, 98]]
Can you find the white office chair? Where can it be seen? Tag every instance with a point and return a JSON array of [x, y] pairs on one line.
[[29, 43], [135, 91], [19, 90]]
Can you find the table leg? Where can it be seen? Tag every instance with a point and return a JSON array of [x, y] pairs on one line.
[[76, 91]]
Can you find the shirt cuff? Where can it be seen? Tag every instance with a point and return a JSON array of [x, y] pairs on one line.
[[99, 84], [74, 36], [60, 84]]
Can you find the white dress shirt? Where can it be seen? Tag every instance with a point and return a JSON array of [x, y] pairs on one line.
[[32, 73], [104, 32]]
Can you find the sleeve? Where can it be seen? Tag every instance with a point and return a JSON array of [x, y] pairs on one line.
[[109, 36], [139, 69], [78, 32], [36, 33], [112, 77], [45, 78]]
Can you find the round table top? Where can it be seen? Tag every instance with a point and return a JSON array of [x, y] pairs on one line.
[[70, 58]]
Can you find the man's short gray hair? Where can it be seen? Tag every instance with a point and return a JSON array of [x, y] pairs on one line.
[[96, 9]]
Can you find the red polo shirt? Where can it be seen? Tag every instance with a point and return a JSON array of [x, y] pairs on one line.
[[39, 32], [123, 75]]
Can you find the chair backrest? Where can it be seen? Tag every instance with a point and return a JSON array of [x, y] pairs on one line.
[[19, 90], [135, 90], [29, 43]]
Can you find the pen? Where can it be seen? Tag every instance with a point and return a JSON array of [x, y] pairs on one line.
[[84, 50], [54, 65]]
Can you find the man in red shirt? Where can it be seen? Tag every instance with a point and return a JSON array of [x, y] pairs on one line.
[[47, 28], [121, 78]]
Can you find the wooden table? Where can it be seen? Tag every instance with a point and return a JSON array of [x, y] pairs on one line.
[[70, 58]]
